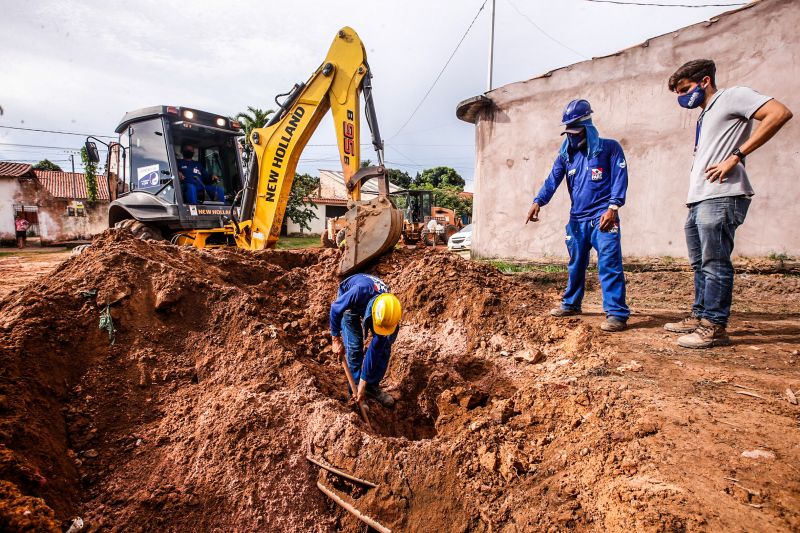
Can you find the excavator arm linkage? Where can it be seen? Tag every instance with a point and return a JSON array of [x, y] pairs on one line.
[[373, 227]]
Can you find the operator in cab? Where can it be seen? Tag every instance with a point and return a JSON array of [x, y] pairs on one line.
[[194, 178], [364, 305]]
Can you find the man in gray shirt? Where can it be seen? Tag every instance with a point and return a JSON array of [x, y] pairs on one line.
[[719, 190]]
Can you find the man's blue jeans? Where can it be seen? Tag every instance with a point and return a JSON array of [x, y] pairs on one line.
[[374, 367], [582, 236], [710, 228]]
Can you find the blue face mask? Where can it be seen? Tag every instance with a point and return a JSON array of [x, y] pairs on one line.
[[574, 140], [693, 98]]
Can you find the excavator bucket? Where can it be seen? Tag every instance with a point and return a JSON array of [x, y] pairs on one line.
[[372, 227]]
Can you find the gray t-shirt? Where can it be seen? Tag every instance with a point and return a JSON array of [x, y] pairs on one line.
[[727, 123]]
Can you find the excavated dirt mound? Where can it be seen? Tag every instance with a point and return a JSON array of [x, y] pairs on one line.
[[220, 381]]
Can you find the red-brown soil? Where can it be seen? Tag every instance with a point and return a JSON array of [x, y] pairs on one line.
[[221, 380]]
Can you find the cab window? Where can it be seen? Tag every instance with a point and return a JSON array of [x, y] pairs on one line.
[[149, 161]]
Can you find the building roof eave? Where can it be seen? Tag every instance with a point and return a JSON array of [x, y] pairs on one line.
[[468, 110]]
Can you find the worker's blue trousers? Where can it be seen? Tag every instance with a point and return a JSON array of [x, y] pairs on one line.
[[372, 367], [582, 236], [192, 187]]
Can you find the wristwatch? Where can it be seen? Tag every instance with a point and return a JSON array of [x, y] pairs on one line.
[[614, 207], [738, 153]]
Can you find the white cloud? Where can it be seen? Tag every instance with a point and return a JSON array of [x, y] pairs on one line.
[[82, 65]]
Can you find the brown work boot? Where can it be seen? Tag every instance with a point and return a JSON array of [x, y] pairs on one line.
[[687, 325], [612, 325], [383, 397], [560, 311], [706, 335]]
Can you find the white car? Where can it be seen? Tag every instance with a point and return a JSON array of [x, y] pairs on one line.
[[461, 240]]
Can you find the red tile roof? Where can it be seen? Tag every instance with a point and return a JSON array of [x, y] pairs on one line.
[[327, 201], [68, 185], [16, 170]]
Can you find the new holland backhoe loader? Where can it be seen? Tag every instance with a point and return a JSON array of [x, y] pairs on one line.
[[146, 188]]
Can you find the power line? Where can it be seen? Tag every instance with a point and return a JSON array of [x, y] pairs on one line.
[[441, 71], [40, 146], [58, 132], [663, 5], [526, 17]]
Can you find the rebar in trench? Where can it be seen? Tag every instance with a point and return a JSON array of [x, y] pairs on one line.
[[330, 493], [341, 473]]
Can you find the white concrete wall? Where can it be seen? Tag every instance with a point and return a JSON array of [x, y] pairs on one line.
[[317, 224], [9, 189], [518, 140]]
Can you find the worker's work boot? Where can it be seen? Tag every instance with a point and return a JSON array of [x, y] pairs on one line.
[[687, 325], [706, 335], [613, 324], [560, 311], [383, 397]]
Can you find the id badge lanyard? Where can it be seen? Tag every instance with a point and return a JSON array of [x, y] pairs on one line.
[[700, 122]]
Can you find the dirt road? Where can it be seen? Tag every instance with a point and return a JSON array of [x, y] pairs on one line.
[[220, 381], [17, 269]]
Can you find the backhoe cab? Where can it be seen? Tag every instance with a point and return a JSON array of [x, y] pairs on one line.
[[152, 198], [149, 194]]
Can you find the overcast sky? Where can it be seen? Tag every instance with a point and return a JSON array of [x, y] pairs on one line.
[[79, 66]]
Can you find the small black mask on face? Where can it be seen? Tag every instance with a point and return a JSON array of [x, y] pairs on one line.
[[187, 154]]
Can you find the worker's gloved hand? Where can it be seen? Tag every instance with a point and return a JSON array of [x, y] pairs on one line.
[[608, 220], [338, 347], [361, 394], [533, 214]]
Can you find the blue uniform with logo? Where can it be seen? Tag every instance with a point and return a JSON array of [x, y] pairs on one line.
[[196, 179], [350, 317], [597, 176]]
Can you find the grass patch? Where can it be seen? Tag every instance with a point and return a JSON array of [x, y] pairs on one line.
[[296, 243], [25, 252], [515, 268], [782, 256]]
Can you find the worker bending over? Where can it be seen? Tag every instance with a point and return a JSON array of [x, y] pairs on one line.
[[597, 179], [364, 304]]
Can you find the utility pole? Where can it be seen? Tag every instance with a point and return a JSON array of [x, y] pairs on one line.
[[72, 177], [491, 51]]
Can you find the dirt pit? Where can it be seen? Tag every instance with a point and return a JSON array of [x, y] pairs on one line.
[[220, 381]]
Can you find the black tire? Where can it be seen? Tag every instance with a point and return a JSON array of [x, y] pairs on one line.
[[429, 238], [141, 230], [409, 241], [325, 241]]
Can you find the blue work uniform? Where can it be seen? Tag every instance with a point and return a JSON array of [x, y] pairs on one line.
[[597, 177], [351, 317], [196, 179]]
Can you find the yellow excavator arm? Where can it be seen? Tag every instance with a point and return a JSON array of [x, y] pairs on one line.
[[372, 227]]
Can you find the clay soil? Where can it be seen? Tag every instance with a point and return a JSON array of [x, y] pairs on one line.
[[220, 381]]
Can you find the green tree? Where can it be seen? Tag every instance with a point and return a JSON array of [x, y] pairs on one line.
[[399, 178], [298, 208], [450, 199], [90, 175], [46, 164], [440, 178], [251, 119]]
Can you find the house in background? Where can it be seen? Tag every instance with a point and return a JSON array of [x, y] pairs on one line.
[[330, 200], [55, 204], [517, 137]]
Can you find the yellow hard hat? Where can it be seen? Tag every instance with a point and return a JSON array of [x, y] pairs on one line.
[[386, 312]]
